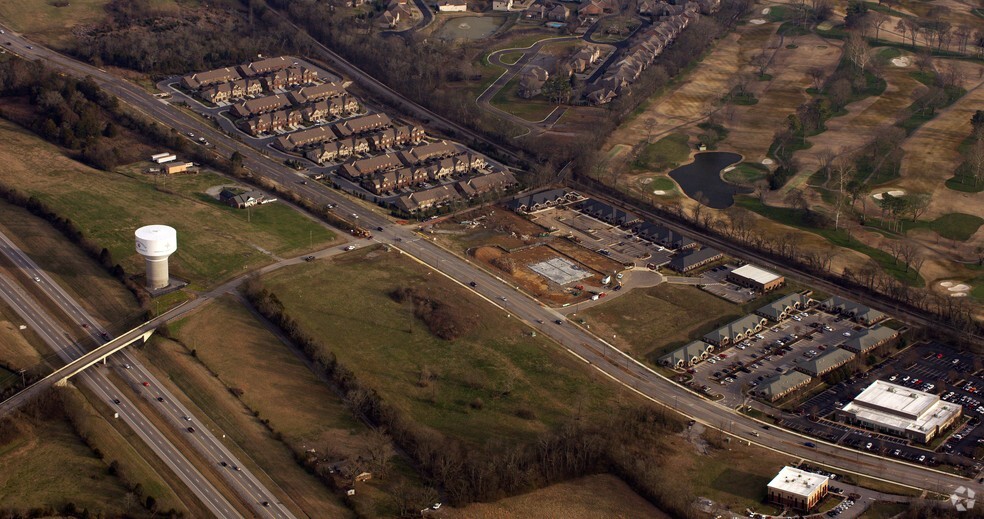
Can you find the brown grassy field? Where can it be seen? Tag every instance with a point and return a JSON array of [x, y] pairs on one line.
[[100, 294], [17, 346], [602, 496], [646, 321], [494, 381], [278, 385], [47, 464], [253, 443], [52, 23]]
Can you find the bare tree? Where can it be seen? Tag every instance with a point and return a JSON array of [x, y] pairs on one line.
[[842, 171], [858, 51], [650, 129], [877, 21], [824, 157], [817, 75]]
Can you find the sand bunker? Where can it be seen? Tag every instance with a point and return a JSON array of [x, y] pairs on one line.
[[825, 26], [902, 61], [766, 162], [766, 10], [659, 192], [756, 21], [955, 289], [946, 284], [646, 181], [959, 294], [893, 193], [727, 169], [959, 288]]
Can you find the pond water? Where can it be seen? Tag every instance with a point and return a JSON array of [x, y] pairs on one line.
[[469, 27], [701, 179]]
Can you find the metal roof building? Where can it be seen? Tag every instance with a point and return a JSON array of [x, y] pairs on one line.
[[756, 277]]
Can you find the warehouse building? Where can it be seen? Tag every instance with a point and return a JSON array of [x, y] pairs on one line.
[[798, 489], [687, 356], [900, 411], [825, 362], [868, 339], [778, 386], [756, 278], [736, 331], [781, 308]]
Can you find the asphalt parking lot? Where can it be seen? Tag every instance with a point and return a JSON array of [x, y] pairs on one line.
[[754, 360], [725, 289]]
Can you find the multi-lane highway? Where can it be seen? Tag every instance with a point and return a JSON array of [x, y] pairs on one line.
[[579, 342], [176, 415]]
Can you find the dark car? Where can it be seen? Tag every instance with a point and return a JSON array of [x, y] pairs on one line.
[[266, 503], [116, 401], [473, 284], [224, 464], [558, 321], [191, 429], [160, 399], [810, 445], [380, 228]]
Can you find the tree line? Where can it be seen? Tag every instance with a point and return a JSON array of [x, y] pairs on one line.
[[626, 444]]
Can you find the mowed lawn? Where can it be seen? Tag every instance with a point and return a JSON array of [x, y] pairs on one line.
[[46, 464], [214, 241], [648, 321], [601, 496], [346, 304], [90, 284]]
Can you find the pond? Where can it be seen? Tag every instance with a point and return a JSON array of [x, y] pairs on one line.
[[469, 27], [701, 179]]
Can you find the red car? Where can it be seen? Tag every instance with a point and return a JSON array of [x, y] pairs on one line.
[[146, 384]]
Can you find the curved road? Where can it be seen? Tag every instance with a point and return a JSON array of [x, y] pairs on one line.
[[589, 348]]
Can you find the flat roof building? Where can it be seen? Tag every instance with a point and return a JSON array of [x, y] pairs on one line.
[[778, 386], [900, 411], [798, 489], [825, 362], [756, 278]]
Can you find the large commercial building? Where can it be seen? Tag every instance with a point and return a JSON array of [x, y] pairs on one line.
[[900, 411], [756, 278], [798, 489]]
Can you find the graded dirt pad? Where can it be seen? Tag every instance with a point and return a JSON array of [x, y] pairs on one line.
[[487, 226], [752, 127], [860, 125], [519, 262], [601, 496]]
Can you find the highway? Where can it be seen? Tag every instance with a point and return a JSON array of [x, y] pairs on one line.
[[243, 481], [579, 342]]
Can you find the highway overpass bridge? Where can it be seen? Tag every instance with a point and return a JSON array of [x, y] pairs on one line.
[[61, 375]]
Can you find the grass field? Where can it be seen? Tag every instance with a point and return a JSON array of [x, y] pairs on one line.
[[211, 395], [649, 321], [46, 464], [508, 100], [346, 304], [883, 510], [215, 241], [100, 294], [952, 226], [16, 347], [510, 58], [666, 153], [601, 496], [746, 173]]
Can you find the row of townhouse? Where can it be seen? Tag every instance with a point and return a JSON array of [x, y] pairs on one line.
[[268, 122], [340, 130], [646, 47], [379, 141], [260, 105], [664, 237], [238, 89], [385, 180], [457, 192], [254, 69], [436, 151], [541, 200]]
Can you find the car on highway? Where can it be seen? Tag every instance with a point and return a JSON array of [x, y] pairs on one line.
[[160, 399], [380, 228], [350, 247], [558, 321], [106, 336], [191, 429], [473, 284], [308, 258], [116, 401], [30, 47], [37, 279], [810, 445], [224, 464], [503, 298], [355, 216], [266, 503]]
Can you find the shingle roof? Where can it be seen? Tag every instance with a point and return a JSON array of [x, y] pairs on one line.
[[826, 361], [870, 338], [777, 385]]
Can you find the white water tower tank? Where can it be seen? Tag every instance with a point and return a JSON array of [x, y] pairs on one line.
[[155, 243]]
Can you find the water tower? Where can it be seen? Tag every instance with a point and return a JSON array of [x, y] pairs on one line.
[[155, 243]]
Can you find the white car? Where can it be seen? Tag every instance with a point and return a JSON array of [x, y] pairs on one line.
[[350, 247], [847, 334]]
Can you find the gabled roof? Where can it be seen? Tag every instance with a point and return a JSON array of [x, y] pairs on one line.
[[774, 309], [826, 361], [780, 384], [741, 325], [868, 339], [681, 262], [687, 353]]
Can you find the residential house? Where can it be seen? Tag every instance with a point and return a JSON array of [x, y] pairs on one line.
[[360, 168], [396, 136], [314, 93], [266, 66], [259, 105], [433, 150], [591, 8], [531, 81], [452, 6], [559, 13], [231, 90], [475, 186], [607, 213], [244, 200], [336, 150], [426, 199], [363, 124], [542, 200], [270, 122], [295, 140], [200, 80], [384, 181], [536, 11], [388, 19], [289, 77], [333, 107], [503, 5], [584, 58]]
